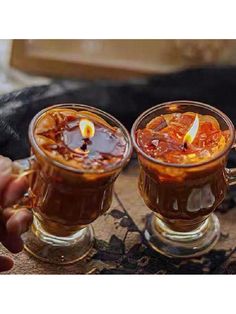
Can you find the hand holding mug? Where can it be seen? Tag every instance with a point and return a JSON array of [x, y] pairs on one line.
[[12, 223]]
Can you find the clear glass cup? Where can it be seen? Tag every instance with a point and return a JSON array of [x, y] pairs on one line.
[[183, 197], [65, 201]]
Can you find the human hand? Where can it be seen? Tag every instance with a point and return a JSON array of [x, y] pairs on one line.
[[12, 222]]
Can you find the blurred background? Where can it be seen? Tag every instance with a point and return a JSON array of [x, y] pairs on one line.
[[121, 77], [34, 62]]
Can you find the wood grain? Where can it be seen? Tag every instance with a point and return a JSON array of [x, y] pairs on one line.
[[116, 59]]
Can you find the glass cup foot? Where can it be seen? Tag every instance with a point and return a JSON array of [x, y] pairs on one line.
[[182, 244], [58, 250]]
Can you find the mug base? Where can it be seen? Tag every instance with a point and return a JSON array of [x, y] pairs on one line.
[[182, 244], [58, 250]]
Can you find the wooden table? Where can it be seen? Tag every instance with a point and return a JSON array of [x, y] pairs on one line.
[[120, 247]]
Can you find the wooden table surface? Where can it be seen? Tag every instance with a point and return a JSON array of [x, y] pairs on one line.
[[120, 247]]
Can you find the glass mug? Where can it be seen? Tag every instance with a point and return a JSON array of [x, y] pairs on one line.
[[183, 196], [64, 200]]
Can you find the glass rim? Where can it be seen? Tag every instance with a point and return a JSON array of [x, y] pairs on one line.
[[34, 144], [195, 104]]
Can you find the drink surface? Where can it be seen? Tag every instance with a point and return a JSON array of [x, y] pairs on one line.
[[63, 200], [167, 138], [183, 197], [79, 139]]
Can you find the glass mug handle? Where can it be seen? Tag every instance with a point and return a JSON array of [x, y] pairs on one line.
[[231, 176], [22, 167], [231, 172]]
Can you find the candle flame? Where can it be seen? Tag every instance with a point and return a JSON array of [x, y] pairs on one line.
[[87, 128], [192, 132]]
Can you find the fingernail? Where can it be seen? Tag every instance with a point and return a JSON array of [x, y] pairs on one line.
[[12, 225], [6, 263]]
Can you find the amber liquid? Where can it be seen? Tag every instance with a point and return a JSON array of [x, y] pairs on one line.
[[182, 197], [185, 203], [64, 201]]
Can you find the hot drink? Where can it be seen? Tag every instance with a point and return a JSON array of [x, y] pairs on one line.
[[66, 201], [77, 154], [182, 149], [183, 199]]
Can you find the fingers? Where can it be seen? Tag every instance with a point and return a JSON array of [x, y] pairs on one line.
[[10, 190], [2, 230], [5, 263], [14, 191], [5, 172], [13, 243], [7, 213], [18, 221], [12, 223]]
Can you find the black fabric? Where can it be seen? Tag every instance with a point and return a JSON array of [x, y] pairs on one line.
[[123, 99]]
